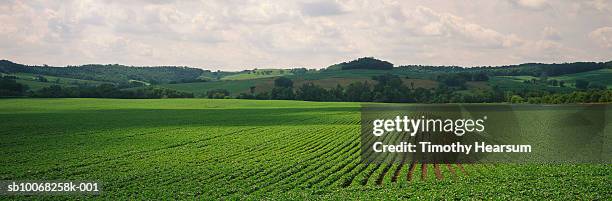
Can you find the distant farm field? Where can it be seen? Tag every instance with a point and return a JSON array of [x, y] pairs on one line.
[[601, 76], [237, 149], [258, 73]]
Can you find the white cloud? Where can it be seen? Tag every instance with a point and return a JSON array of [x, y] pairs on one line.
[[601, 5], [551, 33], [431, 23], [321, 8], [603, 36], [245, 34], [531, 4]]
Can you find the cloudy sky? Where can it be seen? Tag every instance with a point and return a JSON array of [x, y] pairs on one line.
[[238, 34]]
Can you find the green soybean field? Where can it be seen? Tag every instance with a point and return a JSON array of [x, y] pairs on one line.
[[204, 149]]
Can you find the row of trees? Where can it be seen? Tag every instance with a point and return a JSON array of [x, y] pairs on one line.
[[390, 88], [585, 84], [538, 69], [107, 91], [459, 79], [590, 96], [528, 69], [384, 88]]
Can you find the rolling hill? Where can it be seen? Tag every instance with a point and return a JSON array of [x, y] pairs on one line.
[[198, 81]]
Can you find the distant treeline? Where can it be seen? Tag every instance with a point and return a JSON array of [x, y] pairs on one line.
[[390, 88], [383, 88], [10, 88], [589, 96], [529, 69], [107, 91], [110, 73], [121, 74]]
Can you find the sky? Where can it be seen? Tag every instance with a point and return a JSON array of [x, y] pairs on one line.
[[242, 34]]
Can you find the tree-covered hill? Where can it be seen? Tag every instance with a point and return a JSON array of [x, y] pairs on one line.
[[527, 69], [363, 63], [109, 73]]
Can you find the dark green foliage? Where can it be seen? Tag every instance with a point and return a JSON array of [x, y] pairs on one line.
[[245, 96], [594, 85], [516, 99], [537, 69], [217, 93], [359, 92], [480, 76], [459, 79], [56, 91], [153, 92], [252, 90], [299, 71], [283, 82], [453, 82], [581, 84], [41, 79], [282, 93], [111, 73], [530, 69], [10, 67], [363, 63], [337, 94], [311, 92], [107, 91], [283, 89], [389, 88], [10, 87], [250, 95], [590, 96], [263, 96]]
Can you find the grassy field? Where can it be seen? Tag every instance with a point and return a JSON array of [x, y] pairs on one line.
[[213, 149], [601, 76], [509, 83], [259, 73], [199, 89], [34, 84], [60, 80]]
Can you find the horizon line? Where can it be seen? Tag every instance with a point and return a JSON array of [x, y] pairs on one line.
[[296, 67]]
